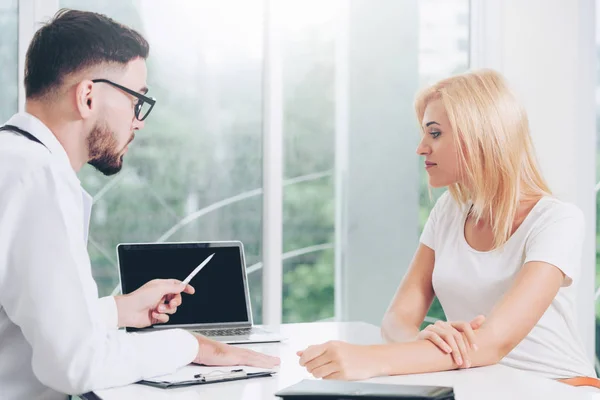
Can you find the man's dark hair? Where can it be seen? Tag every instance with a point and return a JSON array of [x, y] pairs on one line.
[[74, 40]]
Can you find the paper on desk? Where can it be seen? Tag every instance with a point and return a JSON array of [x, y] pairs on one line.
[[187, 373]]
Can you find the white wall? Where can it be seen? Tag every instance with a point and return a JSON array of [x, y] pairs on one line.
[[546, 49]]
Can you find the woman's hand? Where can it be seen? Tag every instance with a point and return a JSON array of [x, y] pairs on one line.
[[341, 361], [454, 338]]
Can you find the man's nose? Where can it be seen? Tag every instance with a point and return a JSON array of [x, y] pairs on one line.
[[137, 124]]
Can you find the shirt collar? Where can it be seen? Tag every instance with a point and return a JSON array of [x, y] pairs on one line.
[[34, 126]]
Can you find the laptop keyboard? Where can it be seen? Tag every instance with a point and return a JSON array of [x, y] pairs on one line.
[[230, 331]]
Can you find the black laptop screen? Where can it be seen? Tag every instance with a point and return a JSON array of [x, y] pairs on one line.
[[220, 295]]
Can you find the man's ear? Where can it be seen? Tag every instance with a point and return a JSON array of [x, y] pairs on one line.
[[85, 98]]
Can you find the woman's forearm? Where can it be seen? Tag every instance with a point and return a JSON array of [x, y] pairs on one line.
[[421, 356], [393, 329]]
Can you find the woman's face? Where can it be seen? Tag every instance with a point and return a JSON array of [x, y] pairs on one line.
[[438, 147]]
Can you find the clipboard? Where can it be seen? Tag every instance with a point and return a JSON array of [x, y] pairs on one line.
[[197, 375]]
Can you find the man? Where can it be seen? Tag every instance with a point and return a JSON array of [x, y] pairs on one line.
[[85, 83]]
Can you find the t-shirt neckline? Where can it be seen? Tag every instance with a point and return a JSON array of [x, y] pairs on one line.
[[464, 221]]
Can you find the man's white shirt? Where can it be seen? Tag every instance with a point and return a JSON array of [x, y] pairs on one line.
[[56, 335]]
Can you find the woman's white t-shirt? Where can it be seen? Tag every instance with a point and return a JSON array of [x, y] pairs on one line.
[[468, 282]]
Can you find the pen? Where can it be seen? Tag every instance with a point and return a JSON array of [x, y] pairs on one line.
[[196, 270], [236, 373]]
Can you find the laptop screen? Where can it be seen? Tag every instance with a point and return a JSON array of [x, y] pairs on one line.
[[220, 295]]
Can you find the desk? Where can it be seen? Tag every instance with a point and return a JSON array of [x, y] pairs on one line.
[[493, 382]]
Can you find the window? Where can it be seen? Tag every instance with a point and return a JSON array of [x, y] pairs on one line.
[[9, 75], [308, 61], [309, 67], [195, 172]]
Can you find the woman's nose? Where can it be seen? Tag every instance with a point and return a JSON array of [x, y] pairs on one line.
[[423, 148]]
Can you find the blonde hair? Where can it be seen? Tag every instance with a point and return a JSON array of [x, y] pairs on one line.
[[495, 151]]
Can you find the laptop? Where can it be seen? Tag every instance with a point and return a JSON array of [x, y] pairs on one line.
[[220, 307]]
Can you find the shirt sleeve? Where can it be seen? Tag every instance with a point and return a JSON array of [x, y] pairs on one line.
[[47, 289], [108, 309], [428, 234], [558, 241]]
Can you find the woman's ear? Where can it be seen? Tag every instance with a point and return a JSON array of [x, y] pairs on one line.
[[85, 98]]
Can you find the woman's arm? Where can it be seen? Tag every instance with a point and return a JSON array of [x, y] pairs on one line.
[[409, 307], [535, 286], [412, 300], [511, 320]]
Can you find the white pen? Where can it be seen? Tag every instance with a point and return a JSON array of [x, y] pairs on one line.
[[196, 270]]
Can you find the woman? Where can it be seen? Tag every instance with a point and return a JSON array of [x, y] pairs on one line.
[[499, 252]]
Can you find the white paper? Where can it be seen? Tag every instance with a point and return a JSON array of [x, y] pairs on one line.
[[187, 373]]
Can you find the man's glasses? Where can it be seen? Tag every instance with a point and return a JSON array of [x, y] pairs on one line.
[[144, 104]]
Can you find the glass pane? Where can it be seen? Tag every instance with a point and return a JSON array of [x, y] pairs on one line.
[[195, 172], [309, 160], [443, 51], [9, 59]]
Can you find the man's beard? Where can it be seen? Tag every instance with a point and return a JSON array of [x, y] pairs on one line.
[[103, 152]]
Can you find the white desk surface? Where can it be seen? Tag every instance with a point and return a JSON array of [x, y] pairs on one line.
[[493, 382]]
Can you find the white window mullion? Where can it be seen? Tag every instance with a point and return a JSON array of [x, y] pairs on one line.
[[485, 33], [26, 31], [341, 150], [272, 247], [32, 13]]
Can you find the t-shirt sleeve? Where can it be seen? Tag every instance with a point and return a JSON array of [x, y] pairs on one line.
[[558, 241], [428, 235]]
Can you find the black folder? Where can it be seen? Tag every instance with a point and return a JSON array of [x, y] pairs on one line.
[[310, 389]]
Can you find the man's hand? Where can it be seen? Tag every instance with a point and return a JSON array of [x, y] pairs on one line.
[[151, 304], [215, 353]]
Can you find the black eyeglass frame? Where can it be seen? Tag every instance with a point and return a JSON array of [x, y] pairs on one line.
[[142, 98]]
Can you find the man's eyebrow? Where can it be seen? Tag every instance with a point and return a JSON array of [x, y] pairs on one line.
[[144, 90]]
